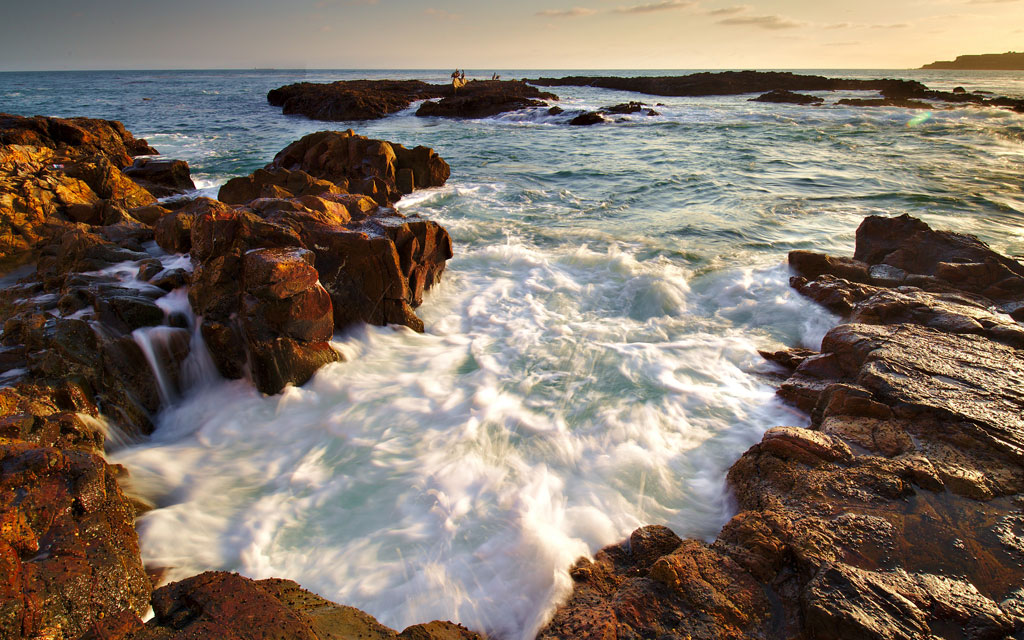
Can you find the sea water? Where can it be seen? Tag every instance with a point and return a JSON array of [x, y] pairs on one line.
[[589, 363]]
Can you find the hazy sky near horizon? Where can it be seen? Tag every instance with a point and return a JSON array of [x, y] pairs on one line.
[[528, 34]]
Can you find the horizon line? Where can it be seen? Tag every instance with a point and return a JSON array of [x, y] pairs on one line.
[[481, 69]]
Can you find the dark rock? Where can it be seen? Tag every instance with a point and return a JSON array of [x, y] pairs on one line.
[[161, 177], [787, 97], [481, 99], [587, 119], [624, 108], [904, 103], [899, 93], [555, 111], [371, 99]]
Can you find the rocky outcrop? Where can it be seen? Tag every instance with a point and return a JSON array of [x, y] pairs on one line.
[[274, 279], [74, 137], [372, 99], [225, 605], [897, 514], [481, 99], [54, 171], [904, 103], [356, 164], [787, 97]]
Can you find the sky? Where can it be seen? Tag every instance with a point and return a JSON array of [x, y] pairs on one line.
[[507, 35]]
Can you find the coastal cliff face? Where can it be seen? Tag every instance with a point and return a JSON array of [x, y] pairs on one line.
[[897, 514], [96, 339]]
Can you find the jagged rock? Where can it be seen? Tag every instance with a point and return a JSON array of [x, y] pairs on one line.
[[67, 543], [361, 165], [55, 172], [74, 137], [161, 177]]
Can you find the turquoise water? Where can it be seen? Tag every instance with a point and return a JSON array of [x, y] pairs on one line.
[[589, 363]]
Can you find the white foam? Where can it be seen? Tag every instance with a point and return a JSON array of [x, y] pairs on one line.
[[561, 398]]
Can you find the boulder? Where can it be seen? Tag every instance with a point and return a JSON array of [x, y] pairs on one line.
[[276, 183], [161, 177], [482, 99], [587, 119]]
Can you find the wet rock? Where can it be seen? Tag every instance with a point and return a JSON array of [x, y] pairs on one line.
[[67, 543], [161, 177], [787, 97], [904, 103], [587, 119], [556, 111]]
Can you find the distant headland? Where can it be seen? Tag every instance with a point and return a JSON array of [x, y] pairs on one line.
[[1009, 61]]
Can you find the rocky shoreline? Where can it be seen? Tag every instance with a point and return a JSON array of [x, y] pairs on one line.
[[95, 342], [897, 514]]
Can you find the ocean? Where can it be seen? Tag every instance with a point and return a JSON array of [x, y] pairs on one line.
[[590, 358]]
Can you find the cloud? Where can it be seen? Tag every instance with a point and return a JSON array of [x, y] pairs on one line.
[[665, 5], [763, 22], [729, 11], [898, 25], [991, 1], [575, 12]]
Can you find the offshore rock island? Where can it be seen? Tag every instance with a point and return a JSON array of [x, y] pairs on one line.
[[896, 514]]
